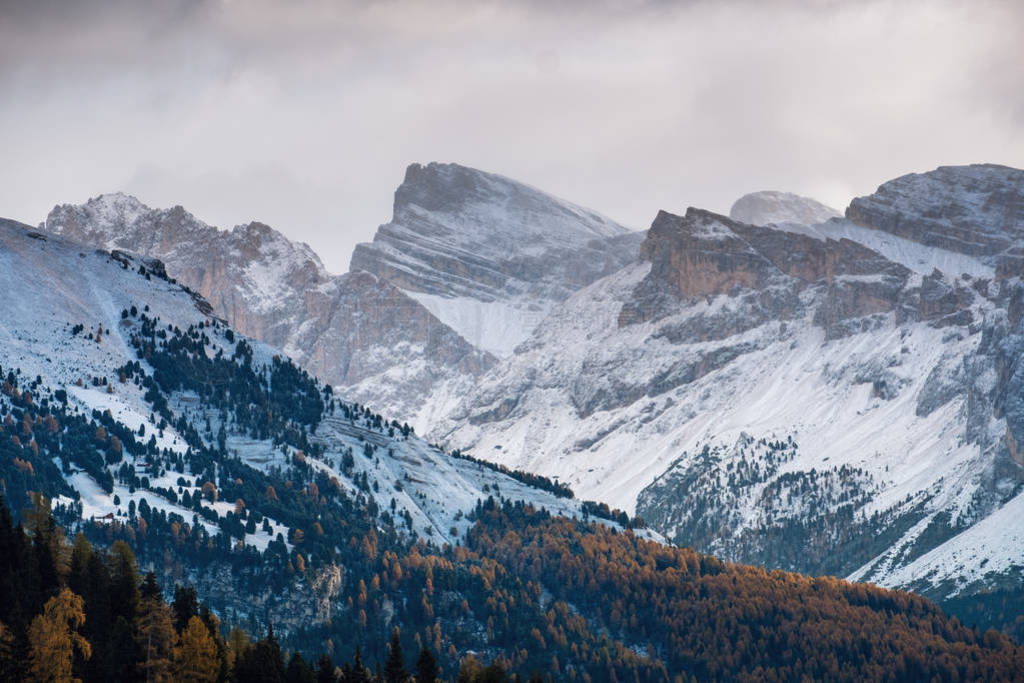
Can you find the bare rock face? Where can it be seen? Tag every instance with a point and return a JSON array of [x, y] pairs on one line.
[[770, 207], [488, 255], [780, 394], [355, 331], [252, 274], [976, 210], [703, 254]]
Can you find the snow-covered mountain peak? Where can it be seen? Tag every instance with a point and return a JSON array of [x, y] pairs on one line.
[[976, 210], [108, 218], [489, 255], [355, 330], [116, 206], [481, 207], [769, 206]]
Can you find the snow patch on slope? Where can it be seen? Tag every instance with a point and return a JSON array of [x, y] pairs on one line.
[[993, 545], [497, 327], [918, 257]]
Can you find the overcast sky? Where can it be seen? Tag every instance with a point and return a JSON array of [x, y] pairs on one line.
[[305, 113]]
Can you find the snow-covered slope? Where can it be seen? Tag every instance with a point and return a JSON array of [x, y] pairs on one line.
[[354, 330], [771, 207], [825, 398], [976, 210], [844, 396], [987, 550], [487, 255], [53, 285]]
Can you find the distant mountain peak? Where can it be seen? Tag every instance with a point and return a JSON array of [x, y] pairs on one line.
[[492, 207], [976, 210], [771, 206], [489, 255]]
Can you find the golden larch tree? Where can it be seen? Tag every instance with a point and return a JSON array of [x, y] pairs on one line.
[[53, 638], [195, 658]]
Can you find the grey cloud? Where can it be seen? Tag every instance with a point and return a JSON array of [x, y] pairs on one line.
[[304, 114]]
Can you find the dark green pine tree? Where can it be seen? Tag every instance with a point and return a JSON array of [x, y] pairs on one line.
[[299, 671], [262, 663], [150, 588], [394, 668], [427, 670], [357, 673], [325, 669], [185, 606]]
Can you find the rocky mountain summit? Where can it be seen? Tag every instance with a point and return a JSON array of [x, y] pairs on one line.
[[976, 210], [354, 330], [767, 207], [813, 392], [828, 398], [487, 255]]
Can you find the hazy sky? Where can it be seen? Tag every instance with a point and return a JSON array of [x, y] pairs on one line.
[[304, 113]]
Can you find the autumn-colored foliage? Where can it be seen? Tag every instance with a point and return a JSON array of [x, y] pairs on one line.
[[195, 657], [54, 638]]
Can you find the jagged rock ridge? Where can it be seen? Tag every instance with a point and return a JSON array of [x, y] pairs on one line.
[[488, 255], [894, 368], [354, 330]]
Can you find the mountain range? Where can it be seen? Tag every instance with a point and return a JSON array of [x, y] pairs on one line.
[[784, 386], [156, 434]]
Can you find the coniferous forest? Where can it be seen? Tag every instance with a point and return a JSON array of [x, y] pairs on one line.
[[347, 589], [79, 612]]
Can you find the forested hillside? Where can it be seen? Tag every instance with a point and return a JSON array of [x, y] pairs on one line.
[[165, 443], [542, 582]]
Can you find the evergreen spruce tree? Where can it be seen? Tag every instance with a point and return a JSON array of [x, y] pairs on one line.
[[394, 668], [261, 663], [427, 670], [185, 606], [299, 671], [325, 669], [150, 588], [358, 673]]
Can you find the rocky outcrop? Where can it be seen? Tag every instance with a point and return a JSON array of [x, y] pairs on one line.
[[703, 255], [356, 331], [484, 252], [768, 207], [976, 210], [252, 274]]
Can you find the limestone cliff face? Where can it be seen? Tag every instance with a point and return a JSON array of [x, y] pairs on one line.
[[355, 331], [489, 255], [459, 231], [976, 210], [703, 254]]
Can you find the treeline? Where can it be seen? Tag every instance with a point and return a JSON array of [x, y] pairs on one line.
[[81, 613], [279, 401], [715, 620], [528, 478], [528, 592]]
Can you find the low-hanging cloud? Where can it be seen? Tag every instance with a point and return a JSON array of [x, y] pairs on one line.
[[304, 114]]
